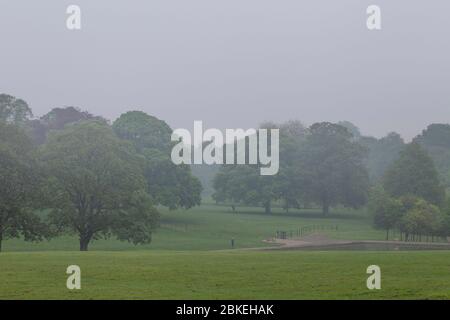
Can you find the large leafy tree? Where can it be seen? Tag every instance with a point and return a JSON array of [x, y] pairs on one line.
[[420, 218], [243, 184], [95, 179], [353, 129], [333, 167], [289, 185], [322, 164], [412, 215], [414, 174], [145, 131], [168, 184], [385, 210], [136, 222], [436, 141], [19, 186], [382, 153], [57, 119], [14, 110]]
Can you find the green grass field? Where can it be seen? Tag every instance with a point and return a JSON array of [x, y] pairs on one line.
[[211, 227], [189, 258], [226, 275]]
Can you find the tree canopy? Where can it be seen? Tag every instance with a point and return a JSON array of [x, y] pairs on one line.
[[333, 167], [168, 184], [71, 171], [56, 119], [321, 164], [436, 141], [19, 187], [14, 110], [382, 153], [414, 174], [93, 178], [145, 131]]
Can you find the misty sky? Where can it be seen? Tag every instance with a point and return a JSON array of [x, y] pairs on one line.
[[233, 63]]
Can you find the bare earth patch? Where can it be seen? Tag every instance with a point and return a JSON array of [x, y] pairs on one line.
[[320, 241]]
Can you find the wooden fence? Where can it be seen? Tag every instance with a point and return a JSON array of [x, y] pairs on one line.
[[302, 231]]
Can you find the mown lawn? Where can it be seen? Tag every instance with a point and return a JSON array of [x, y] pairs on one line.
[[225, 275], [183, 262]]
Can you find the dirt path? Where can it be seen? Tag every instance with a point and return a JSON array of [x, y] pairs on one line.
[[319, 241]]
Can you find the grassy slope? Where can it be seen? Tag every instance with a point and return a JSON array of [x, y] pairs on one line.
[[225, 274], [211, 227]]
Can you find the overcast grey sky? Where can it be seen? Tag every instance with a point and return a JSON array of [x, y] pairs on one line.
[[233, 63]]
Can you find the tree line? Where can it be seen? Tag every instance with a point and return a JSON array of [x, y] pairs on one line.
[[91, 178], [72, 172], [330, 164], [320, 164]]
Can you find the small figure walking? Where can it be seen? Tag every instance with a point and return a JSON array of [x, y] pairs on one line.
[[232, 243]]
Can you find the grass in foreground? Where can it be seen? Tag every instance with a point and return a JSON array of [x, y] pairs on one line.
[[225, 275]]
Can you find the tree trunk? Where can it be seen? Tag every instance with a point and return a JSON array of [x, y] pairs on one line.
[[325, 209], [84, 242], [1, 239], [83, 245], [267, 207]]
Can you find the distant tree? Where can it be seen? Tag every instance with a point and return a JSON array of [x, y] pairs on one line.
[[445, 216], [289, 185], [386, 211], [205, 173], [57, 118], [382, 153], [136, 223], [289, 188], [168, 184], [145, 131], [19, 186], [436, 141], [422, 218], [333, 165], [322, 164], [94, 181], [414, 174], [14, 110], [293, 129], [354, 130], [37, 131], [222, 186], [243, 184]]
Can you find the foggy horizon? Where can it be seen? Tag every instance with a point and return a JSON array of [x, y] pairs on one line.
[[234, 64]]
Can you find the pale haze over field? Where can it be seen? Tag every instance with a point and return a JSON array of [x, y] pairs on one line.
[[233, 63]]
